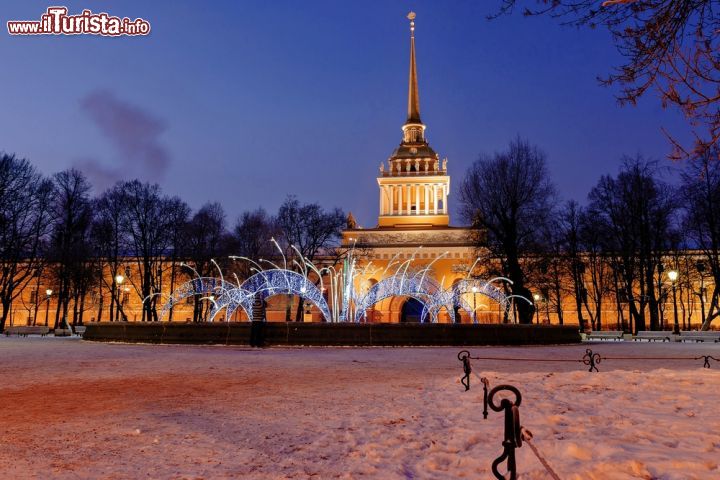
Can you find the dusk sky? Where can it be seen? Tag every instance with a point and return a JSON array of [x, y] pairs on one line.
[[246, 102]]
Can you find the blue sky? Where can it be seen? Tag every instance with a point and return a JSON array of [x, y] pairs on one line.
[[246, 102]]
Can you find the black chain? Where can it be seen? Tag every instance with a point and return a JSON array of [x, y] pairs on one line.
[[590, 358], [706, 359]]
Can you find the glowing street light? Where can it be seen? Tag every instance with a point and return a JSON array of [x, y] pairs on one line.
[[119, 279], [49, 293], [673, 276], [537, 298]]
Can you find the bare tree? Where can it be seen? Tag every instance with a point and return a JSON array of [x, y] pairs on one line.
[[69, 250], [252, 233], [25, 199], [701, 223], [636, 211], [309, 229], [148, 219], [110, 243], [177, 229], [668, 45], [569, 225], [206, 240], [508, 198], [595, 268]]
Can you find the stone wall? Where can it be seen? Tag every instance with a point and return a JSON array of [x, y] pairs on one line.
[[333, 334]]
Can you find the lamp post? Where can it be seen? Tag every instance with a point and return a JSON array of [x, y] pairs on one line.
[[119, 279], [474, 290], [673, 276], [701, 269], [536, 297], [48, 292]]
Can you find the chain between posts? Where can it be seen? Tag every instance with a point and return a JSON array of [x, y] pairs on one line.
[[589, 358], [707, 359]]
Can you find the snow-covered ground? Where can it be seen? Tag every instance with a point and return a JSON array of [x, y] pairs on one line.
[[74, 409]]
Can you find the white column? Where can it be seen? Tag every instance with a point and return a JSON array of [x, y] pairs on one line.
[[406, 200], [386, 198], [434, 199], [381, 200], [393, 207], [445, 209], [400, 200], [417, 199], [427, 199]]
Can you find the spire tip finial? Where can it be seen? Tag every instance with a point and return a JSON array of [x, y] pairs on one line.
[[411, 16]]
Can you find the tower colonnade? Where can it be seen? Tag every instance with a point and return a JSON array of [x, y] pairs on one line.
[[426, 198]]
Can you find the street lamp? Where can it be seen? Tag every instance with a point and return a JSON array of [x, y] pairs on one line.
[[536, 297], [48, 292], [119, 279], [673, 276], [474, 290], [700, 266]]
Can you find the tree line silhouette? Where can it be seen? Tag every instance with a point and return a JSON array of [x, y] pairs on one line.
[[55, 229]]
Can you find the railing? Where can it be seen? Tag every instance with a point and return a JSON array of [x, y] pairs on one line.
[[404, 173]]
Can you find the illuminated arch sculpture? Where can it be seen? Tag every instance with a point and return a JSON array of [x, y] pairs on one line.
[[208, 287], [470, 286], [268, 283], [230, 300], [419, 286]]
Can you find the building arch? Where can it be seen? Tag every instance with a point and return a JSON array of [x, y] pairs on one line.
[[417, 285], [411, 310]]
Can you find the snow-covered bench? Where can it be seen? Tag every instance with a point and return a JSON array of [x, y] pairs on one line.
[[700, 336], [63, 332], [79, 330], [24, 331], [605, 335], [653, 336]]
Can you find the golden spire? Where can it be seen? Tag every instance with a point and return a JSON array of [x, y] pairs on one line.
[[413, 94]]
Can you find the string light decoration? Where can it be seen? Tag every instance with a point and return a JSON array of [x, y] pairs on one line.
[[267, 283], [349, 304]]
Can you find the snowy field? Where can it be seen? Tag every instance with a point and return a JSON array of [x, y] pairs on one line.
[[80, 410]]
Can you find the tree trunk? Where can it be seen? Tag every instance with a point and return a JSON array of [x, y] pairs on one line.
[[6, 310]]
